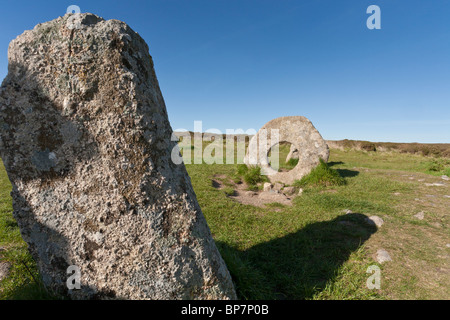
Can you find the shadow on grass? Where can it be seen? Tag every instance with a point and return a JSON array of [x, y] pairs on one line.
[[345, 173], [299, 265], [330, 164]]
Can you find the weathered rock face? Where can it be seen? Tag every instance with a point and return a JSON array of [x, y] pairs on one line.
[[86, 142], [302, 135]]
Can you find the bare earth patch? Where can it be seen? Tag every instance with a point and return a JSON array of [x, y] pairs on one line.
[[255, 198]]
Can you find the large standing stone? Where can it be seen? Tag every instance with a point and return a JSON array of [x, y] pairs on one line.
[[86, 142], [302, 135]]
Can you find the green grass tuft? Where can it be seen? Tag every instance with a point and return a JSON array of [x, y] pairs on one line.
[[229, 191], [292, 163], [251, 175], [322, 175], [242, 169]]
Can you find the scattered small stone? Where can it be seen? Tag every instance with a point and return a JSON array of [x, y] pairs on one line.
[[448, 245], [436, 184], [420, 215], [411, 178], [267, 186], [383, 256], [396, 193], [348, 211], [444, 177], [375, 220], [446, 196], [289, 190], [421, 180], [300, 191]]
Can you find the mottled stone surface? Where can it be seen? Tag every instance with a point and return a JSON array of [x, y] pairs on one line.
[[375, 221], [298, 131], [383, 256], [86, 142]]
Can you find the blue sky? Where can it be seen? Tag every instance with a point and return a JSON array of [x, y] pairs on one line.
[[240, 63]]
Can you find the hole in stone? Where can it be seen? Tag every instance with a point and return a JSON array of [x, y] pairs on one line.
[[287, 156]]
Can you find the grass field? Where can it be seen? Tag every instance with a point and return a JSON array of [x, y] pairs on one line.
[[312, 249]]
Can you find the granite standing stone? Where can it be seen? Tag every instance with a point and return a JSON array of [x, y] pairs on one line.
[[86, 142]]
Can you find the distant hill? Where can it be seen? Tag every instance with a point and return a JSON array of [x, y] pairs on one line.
[[426, 149]]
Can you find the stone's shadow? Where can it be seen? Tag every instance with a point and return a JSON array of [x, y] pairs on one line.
[[215, 184], [298, 265], [345, 173], [334, 163]]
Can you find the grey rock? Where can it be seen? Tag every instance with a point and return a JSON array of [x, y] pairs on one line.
[[267, 186], [298, 131], [375, 220], [420, 215], [436, 184], [289, 190], [444, 177], [383, 256], [86, 142]]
